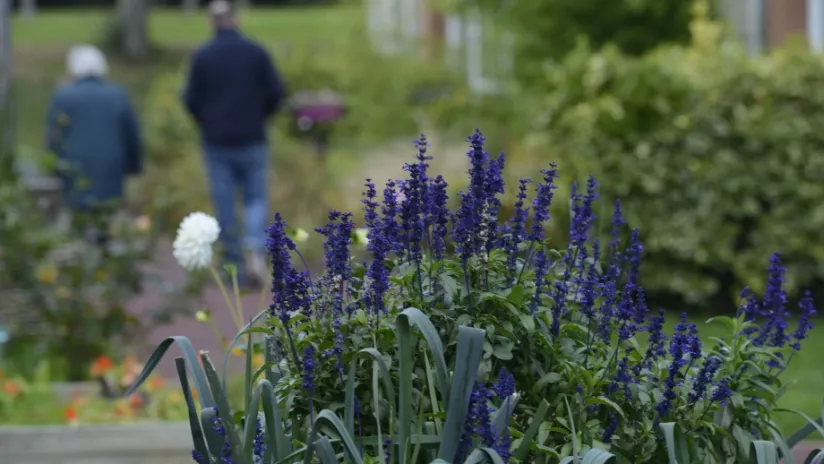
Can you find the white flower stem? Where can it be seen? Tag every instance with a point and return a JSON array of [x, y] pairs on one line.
[[232, 311], [238, 303]]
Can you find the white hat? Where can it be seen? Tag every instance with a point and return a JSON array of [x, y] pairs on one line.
[[86, 61], [220, 8]]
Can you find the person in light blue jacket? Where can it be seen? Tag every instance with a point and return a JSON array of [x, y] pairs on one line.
[[94, 132]]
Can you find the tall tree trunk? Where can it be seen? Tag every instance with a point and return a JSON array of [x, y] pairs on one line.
[[132, 18], [7, 115], [189, 6], [28, 8]]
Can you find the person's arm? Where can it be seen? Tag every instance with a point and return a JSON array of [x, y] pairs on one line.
[[274, 89], [131, 138], [194, 88]]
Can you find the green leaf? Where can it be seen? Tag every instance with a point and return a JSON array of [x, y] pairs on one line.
[[404, 321], [469, 353], [484, 455], [783, 449], [503, 350], [385, 377], [247, 378], [449, 285], [815, 457], [204, 393], [676, 443], [246, 329], [325, 451], [532, 431], [546, 379], [803, 432], [593, 456], [214, 441], [606, 402], [329, 417], [275, 437], [501, 417], [763, 452], [270, 359], [726, 321], [194, 423], [223, 408], [430, 386], [575, 445], [414, 316], [597, 456], [349, 403], [528, 321]]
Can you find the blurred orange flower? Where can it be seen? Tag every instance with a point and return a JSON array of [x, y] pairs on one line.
[[10, 387], [136, 401], [156, 383], [71, 415], [101, 365]]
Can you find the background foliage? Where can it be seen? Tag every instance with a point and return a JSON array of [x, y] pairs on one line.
[[546, 30], [713, 152]]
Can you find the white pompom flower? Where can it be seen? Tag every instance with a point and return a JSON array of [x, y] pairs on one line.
[[195, 237]]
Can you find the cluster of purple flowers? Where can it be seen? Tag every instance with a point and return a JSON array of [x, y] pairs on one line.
[[412, 222], [478, 423]]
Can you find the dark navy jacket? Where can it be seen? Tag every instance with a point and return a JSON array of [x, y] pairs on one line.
[[233, 88], [94, 131]]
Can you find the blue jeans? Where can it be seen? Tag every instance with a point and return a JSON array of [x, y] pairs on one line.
[[243, 170]]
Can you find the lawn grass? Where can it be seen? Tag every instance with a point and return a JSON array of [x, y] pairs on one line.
[[172, 27], [40, 45], [805, 374]]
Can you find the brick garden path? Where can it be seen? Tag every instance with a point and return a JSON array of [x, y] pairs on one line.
[[166, 268]]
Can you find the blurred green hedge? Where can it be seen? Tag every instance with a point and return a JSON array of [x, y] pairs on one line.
[[716, 156]]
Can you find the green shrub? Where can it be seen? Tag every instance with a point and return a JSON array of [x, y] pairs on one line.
[[714, 153]]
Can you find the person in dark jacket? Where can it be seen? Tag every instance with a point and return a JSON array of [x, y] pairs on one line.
[[232, 89], [94, 132]]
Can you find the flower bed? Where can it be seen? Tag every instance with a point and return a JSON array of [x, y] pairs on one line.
[[465, 338], [39, 402]]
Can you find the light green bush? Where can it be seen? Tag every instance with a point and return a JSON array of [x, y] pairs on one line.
[[715, 154]]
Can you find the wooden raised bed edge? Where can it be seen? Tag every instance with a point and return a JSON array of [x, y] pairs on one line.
[[167, 442]]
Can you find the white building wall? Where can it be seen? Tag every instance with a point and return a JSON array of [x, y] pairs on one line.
[[815, 24], [395, 27]]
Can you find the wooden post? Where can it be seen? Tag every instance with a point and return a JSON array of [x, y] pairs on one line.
[[7, 113], [785, 19], [28, 8], [432, 31], [189, 6], [132, 17]]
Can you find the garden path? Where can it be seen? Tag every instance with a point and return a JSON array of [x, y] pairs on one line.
[[165, 268], [803, 449]]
